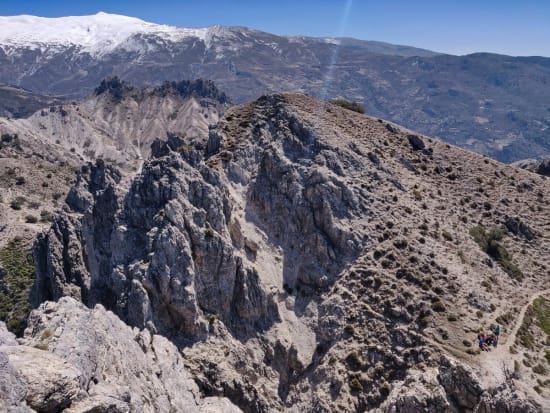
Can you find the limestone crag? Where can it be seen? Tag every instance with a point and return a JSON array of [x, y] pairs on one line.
[[74, 359], [305, 258]]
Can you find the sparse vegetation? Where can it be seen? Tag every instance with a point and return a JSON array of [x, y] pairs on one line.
[[350, 105], [18, 203], [537, 314], [114, 86], [42, 346], [31, 219], [355, 385], [490, 243], [539, 369], [46, 334], [354, 360], [45, 216], [16, 280], [438, 306]]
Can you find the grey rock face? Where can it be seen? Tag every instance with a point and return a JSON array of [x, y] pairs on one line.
[[90, 361], [162, 255], [51, 382], [452, 387], [253, 255], [12, 388], [159, 255], [519, 228], [459, 383]]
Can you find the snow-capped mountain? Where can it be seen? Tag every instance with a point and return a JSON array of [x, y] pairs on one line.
[[97, 35], [493, 104]]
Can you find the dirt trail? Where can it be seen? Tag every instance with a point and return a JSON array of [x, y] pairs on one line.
[[491, 363]]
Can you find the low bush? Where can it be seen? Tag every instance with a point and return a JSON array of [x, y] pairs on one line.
[[350, 105], [15, 284], [355, 385], [489, 242], [31, 219]]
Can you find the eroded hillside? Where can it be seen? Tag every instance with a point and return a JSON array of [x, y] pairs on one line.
[[308, 258]]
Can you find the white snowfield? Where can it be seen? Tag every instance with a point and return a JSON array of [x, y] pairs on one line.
[[97, 34]]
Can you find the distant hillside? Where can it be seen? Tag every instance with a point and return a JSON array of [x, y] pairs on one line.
[[19, 103], [492, 104], [119, 122]]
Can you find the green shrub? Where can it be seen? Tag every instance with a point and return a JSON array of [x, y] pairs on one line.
[[356, 385], [18, 203], [489, 242], [537, 313], [350, 105], [438, 306], [31, 219], [15, 205], [452, 317], [539, 369], [15, 285], [541, 308], [354, 360], [45, 216]]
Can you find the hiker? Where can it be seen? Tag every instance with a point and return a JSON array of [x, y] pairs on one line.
[[489, 340], [481, 339], [496, 331], [483, 346]]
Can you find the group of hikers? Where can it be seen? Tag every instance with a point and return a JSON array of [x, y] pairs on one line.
[[487, 340]]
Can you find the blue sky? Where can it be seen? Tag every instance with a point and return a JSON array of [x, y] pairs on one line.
[[516, 27]]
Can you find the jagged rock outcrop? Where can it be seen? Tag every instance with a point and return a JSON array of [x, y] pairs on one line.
[[165, 261], [74, 359], [297, 261], [452, 387], [519, 228], [118, 123]]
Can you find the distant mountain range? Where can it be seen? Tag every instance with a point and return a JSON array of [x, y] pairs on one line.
[[492, 104]]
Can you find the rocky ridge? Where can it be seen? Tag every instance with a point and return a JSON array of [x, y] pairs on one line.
[[308, 258], [118, 122], [40, 154]]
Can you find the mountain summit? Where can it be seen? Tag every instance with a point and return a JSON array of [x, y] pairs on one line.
[[97, 34]]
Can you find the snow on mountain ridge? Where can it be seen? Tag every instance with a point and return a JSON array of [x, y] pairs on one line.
[[97, 34]]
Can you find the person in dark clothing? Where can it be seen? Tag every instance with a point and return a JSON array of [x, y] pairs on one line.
[[496, 331]]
